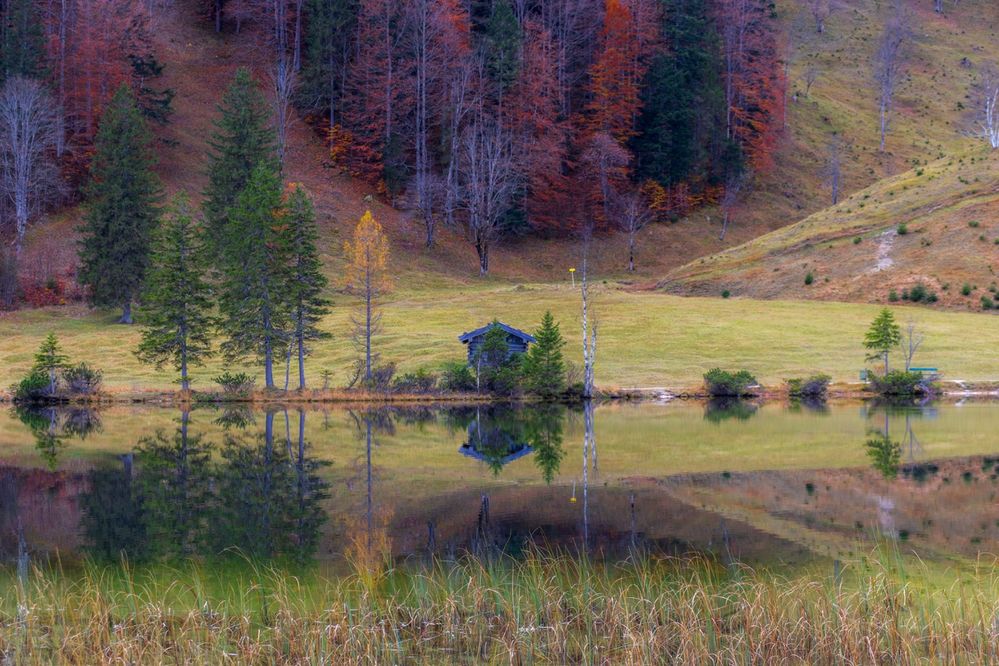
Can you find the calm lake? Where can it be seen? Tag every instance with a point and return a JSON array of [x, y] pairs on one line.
[[756, 483]]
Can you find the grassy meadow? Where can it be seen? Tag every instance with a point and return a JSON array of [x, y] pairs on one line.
[[646, 339]]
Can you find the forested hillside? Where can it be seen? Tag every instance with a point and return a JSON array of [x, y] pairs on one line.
[[490, 135]]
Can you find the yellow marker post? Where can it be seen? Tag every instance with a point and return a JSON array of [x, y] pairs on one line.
[[572, 272]]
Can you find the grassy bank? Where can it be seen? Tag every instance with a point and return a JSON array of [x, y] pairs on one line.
[[645, 338], [540, 610]]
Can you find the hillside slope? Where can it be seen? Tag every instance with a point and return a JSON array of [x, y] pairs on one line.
[[927, 124], [937, 224]]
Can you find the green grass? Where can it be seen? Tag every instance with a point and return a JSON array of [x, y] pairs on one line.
[[544, 609], [645, 338]]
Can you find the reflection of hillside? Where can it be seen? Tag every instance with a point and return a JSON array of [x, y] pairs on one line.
[[47, 506], [939, 508]]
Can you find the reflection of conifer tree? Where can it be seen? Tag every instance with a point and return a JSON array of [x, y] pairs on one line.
[[175, 482], [113, 522], [52, 426], [543, 430], [885, 454], [310, 491]]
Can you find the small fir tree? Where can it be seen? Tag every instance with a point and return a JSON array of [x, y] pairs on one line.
[[544, 368], [242, 140], [50, 359], [255, 288], [883, 336], [308, 306], [122, 207], [177, 303]]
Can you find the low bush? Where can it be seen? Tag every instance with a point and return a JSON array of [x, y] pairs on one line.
[[456, 377], [809, 278], [901, 383], [966, 289], [722, 383], [987, 303], [902, 229], [83, 379], [421, 381], [815, 386], [381, 377], [235, 383], [33, 387]]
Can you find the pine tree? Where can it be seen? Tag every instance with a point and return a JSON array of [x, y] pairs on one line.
[[122, 207], [50, 359], [22, 41], [544, 369], [255, 286], [883, 336], [242, 140], [328, 35], [308, 306], [177, 302]]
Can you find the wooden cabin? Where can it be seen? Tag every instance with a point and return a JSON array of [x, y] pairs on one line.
[[517, 341]]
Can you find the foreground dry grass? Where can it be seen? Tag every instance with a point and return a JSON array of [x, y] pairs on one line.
[[540, 610]]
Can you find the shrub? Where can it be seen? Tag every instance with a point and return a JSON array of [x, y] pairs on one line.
[[722, 383], [726, 293], [966, 289], [973, 224], [809, 278], [35, 386], [456, 377], [235, 383], [421, 381], [381, 377], [987, 303], [856, 240], [900, 383], [918, 293], [902, 229], [83, 379], [815, 386], [893, 296]]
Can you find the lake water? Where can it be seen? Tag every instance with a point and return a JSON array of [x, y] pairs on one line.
[[756, 483]]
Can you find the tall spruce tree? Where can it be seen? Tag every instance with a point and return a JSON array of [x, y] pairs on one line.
[[681, 125], [328, 36], [502, 45], [177, 304], [242, 140], [50, 359], [255, 301], [22, 42], [543, 366], [122, 207], [307, 283]]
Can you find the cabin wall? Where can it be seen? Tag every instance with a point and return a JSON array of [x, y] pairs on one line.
[[516, 346]]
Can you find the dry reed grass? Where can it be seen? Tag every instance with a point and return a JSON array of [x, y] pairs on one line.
[[540, 610]]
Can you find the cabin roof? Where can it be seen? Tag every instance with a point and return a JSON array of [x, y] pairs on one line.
[[471, 335]]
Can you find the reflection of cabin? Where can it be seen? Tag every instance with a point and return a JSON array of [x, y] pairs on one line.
[[513, 451], [516, 340]]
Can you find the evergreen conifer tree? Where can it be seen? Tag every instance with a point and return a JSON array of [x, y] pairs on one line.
[[883, 336], [242, 140], [122, 207], [50, 359], [177, 302], [502, 43], [255, 303], [543, 367], [308, 306], [22, 42]]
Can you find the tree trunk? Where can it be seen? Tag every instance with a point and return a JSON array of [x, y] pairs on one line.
[[367, 331], [301, 363], [886, 363], [185, 383], [268, 364], [126, 312], [482, 249], [631, 253]]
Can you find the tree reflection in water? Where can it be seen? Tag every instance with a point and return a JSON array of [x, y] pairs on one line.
[[53, 425], [257, 498]]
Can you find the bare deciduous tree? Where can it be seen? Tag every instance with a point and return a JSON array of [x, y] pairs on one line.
[[988, 91], [730, 199], [912, 340], [820, 12], [29, 133], [283, 84], [811, 75], [888, 63], [633, 214], [488, 181]]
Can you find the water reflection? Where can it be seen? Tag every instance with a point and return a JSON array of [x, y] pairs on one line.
[[211, 484], [179, 495], [717, 410], [53, 426]]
